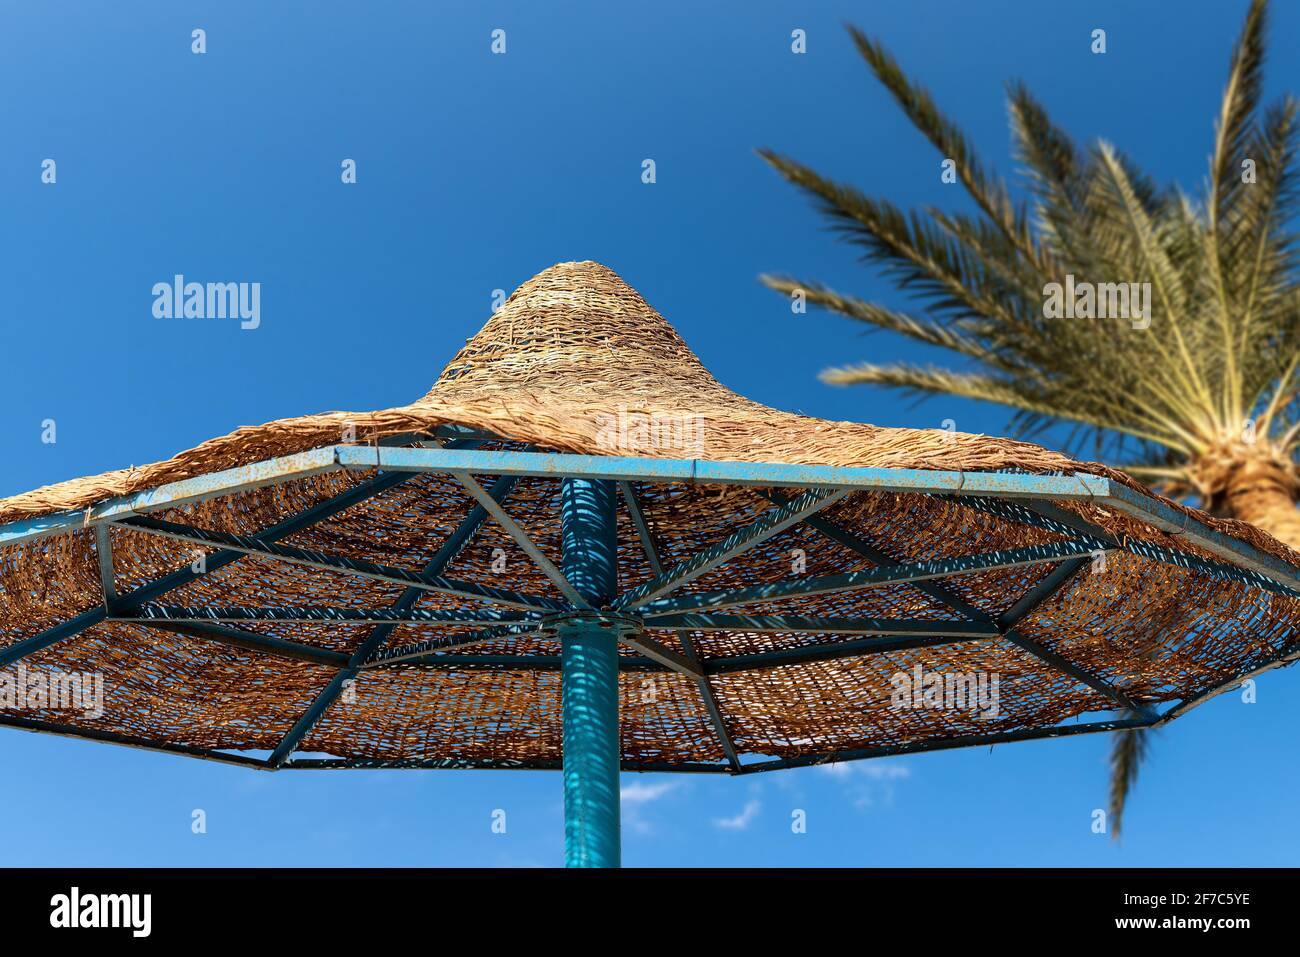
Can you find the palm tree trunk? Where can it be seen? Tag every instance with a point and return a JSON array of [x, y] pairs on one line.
[[1259, 488]]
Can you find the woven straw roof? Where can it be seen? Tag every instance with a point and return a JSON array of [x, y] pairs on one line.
[[569, 349]]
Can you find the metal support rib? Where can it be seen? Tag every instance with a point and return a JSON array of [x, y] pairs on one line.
[[857, 648], [664, 655], [126, 740], [379, 635], [1166, 517], [429, 649], [1054, 581], [946, 744], [1044, 590], [1267, 663], [718, 665], [866, 549], [868, 578], [798, 624], [642, 529], [88, 619], [1050, 517], [771, 523], [251, 641], [64, 630], [104, 552], [712, 705], [513, 529], [314, 613], [498, 662], [1048, 586], [489, 764], [89, 734], [323, 561], [707, 693]]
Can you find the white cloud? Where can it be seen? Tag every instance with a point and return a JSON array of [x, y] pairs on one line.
[[635, 798], [640, 793], [875, 770], [837, 770], [868, 784], [878, 771], [741, 820]]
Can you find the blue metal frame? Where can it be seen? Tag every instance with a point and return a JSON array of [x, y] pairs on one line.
[[251, 641], [768, 525], [420, 650], [513, 529], [310, 516], [999, 485], [437, 656], [804, 625], [868, 578], [500, 764], [315, 613], [1051, 518], [144, 744], [1013, 496], [1033, 599], [704, 472], [227, 482], [379, 636], [948, 744], [643, 532], [453, 459], [692, 656], [323, 561], [104, 555]]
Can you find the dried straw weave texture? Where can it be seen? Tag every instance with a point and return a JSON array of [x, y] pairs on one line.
[[571, 346]]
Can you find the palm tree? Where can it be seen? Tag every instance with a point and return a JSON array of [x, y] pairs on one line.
[[1204, 403]]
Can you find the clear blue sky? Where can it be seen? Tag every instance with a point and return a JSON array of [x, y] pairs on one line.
[[476, 171]]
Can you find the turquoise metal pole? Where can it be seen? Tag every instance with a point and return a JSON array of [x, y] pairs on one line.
[[589, 677], [589, 669]]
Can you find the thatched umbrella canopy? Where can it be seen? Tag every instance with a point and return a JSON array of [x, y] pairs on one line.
[[580, 550]]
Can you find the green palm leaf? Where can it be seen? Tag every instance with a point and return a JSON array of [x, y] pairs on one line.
[[1210, 384]]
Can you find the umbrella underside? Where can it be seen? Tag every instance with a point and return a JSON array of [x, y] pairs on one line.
[[381, 618], [790, 590]]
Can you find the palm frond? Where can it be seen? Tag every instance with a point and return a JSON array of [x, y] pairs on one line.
[[1233, 131], [928, 331], [1128, 752], [1015, 393], [990, 195], [1234, 127], [912, 250], [1157, 268], [1224, 267], [1262, 259]]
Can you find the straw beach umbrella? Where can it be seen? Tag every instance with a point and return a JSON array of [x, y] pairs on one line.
[[580, 552]]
